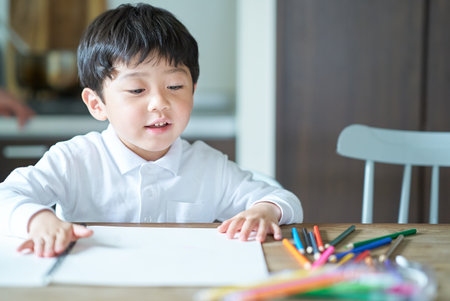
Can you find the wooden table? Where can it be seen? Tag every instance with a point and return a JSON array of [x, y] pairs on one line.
[[430, 246]]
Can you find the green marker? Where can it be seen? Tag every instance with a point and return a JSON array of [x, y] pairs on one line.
[[393, 236], [343, 235]]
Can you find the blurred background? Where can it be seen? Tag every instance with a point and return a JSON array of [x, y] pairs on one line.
[[279, 80]]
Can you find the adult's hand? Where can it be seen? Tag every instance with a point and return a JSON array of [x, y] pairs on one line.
[[11, 106]]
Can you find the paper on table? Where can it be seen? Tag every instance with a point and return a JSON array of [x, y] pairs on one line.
[[17, 269], [147, 256]]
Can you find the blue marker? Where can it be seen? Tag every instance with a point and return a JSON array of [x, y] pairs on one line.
[[314, 245], [297, 241], [369, 246]]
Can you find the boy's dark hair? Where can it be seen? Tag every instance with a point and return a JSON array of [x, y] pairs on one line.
[[128, 32]]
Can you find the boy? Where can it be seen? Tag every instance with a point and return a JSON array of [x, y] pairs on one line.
[[139, 69]]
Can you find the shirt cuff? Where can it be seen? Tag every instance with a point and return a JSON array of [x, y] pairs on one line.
[[21, 217]]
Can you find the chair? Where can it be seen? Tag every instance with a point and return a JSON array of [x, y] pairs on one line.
[[396, 147]]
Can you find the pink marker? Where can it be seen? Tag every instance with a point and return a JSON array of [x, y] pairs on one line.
[[323, 258]]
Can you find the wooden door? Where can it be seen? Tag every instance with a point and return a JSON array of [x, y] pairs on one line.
[[437, 110], [344, 62]]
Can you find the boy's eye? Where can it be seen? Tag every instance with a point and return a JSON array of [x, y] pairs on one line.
[[136, 91], [175, 87]]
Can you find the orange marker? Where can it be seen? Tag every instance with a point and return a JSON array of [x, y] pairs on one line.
[[318, 239], [284, 289], [304, 262]]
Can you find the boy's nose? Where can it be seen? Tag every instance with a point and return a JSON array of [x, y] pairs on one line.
[[157, 102]]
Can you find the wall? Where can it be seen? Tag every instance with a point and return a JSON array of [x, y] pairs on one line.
[[4, 5], [256, 85]]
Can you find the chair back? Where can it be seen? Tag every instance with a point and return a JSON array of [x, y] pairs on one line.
[[408, 148]]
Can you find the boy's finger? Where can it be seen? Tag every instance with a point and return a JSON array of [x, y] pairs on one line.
[[26, 245], [234, 227], [262, 231], [246, 229], [276, 231], [39, 244], [61, 242], [49, 247], [224, 226], [80, 231]]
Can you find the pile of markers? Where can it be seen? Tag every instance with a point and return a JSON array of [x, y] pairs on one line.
[[326, 253], [352, 275]]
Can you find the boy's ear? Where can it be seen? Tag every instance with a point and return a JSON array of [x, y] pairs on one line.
[[94, 104]]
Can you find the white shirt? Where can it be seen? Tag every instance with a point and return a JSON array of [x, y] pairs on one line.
[[96, 178]]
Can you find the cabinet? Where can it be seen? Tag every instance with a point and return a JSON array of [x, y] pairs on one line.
[[40, 57], [12, 153], [382, 63]]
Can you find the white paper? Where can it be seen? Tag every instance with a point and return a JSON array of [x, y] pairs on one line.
[[17, 269], [153, 256]]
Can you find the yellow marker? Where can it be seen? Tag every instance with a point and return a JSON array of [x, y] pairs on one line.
[[346, 258]]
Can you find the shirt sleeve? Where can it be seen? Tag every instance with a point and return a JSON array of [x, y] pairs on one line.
[[241, 192], [28, 190]]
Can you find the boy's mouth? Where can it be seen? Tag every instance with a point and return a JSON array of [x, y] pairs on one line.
[[158, 125]]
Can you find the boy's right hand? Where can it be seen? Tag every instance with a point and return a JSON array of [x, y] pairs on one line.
[[49, 236]]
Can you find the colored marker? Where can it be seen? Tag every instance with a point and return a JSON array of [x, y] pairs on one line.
[[346, 258], [308, 244], [302, 260], [360, 249], [323, 258], [361, 256], [314, 245], [369, 261], [393, 236], [343, 235], [318, 238], [297, 241], [394, 246], [283, 289]]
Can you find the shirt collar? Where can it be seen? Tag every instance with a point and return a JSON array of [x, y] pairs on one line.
[[126, 160], [171, 160]]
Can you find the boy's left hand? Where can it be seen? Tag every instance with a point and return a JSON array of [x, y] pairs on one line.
[[262, 217]]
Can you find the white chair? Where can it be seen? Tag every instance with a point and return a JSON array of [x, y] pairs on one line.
[[396, 147]]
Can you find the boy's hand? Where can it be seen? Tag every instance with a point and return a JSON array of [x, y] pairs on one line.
[[262, 217], [49, 236]]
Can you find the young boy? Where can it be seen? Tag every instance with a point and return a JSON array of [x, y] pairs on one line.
[[139, 69]]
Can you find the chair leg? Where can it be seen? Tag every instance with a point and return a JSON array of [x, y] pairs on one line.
[[404, 198], [367, 206], [434, 195]]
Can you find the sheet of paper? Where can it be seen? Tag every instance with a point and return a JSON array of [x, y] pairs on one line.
[[147, 256], [17, 269]]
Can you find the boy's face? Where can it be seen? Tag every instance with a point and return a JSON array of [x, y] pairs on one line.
[[149, 105]]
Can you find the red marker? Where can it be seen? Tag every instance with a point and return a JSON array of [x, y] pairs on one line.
[[318, 239], [361, 256]]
